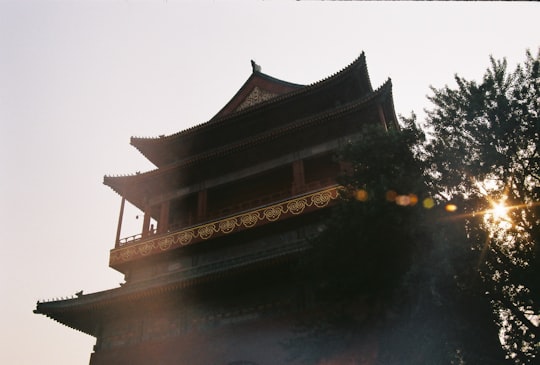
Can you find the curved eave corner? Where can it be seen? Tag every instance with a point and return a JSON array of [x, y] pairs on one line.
[[358, 67], [145, 147], [118, 184], [56, 311], [364, 74], [385, 90]]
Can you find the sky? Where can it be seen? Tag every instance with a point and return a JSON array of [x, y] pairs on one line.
[[79, 78]]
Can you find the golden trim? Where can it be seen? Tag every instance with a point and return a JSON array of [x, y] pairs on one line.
[[272, 213]]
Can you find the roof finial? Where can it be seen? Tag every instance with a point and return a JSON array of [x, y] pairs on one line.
[[255, 67]]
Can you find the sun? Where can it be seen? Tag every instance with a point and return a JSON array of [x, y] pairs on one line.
[[497, 217], [500, 211]]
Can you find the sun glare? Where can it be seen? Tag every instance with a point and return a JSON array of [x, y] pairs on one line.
[[498, 217], [500, 211]]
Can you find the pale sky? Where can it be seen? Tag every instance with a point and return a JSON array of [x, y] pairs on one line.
[[78, 78]]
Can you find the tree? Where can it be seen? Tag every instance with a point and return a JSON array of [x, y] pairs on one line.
[[399, 263], [485, 152], [382, 272]]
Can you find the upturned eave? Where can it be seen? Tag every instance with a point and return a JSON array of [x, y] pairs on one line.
[[154, 149], [125, 185]]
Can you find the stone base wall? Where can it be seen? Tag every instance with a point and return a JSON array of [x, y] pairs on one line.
[[257, 342]]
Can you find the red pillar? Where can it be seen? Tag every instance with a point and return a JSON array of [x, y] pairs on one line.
[[120, 219], [146, 221], [163, 223]]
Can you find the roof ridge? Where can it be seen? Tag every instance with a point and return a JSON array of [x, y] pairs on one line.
[[272, 78], [360, 60]]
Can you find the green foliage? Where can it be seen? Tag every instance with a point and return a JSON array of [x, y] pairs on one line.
[[432, 286], [376, 231], [486, 140]]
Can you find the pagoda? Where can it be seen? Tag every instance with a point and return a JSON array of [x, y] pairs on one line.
[[228, 210]]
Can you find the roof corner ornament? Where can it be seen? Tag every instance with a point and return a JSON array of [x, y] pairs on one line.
[[255, 67]]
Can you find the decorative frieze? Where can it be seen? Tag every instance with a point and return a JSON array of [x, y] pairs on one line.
[[256, 96], [249, 219]]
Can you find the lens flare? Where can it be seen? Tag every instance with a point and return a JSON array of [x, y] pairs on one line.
[[361, 195], [403, 200], [497, 220], [428, 203], [450, 207], [500, 211]]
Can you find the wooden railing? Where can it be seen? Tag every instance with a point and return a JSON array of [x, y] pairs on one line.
[[265, 214], [230, 210]]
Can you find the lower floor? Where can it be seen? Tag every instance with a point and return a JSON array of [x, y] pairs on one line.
[[253, 342]]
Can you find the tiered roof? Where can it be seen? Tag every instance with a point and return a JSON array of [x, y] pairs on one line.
[[348, 84], [82, 312], [282, 108], [263, 111]]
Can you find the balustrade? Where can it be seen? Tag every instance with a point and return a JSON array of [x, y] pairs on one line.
[[230, 210]]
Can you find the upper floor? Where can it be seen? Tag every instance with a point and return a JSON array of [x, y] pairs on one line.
[[268, 155]]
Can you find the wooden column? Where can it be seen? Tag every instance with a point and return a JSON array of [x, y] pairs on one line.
[[120, 219], [163, 224], [146, 221], [299, 180], [202, 202]]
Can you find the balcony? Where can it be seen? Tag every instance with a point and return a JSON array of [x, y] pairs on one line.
[[238, 218]]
